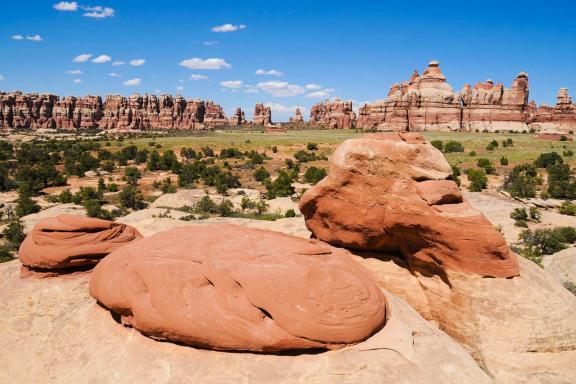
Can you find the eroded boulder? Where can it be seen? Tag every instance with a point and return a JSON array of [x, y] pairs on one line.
[[228, 287], [69, 241], [392, 193]]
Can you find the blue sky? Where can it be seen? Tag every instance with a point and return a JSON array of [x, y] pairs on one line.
[[307, 50]]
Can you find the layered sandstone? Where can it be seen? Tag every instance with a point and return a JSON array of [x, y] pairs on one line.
[[335, 114], [297, 118], [393, 193], [68, 241], [238, 118], [136, 112], [558, 119], [428, 103], [229, 287], [262, 115]]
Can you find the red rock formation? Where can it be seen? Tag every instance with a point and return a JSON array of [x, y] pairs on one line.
[[392, 193], [297, 118], [557, 120], [88, 112], [214, 115], [262, 115], [72, 241], [229, 287], [334, 115], [238, 118]]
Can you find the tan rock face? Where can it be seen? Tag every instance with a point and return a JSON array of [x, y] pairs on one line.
[[262, 115], [335, 115], [34, 111], [234, 288], [558, 119], [72, 241], [238, 118], [297, 118], [391, 192]]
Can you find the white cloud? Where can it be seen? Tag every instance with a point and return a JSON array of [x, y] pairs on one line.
[[101, 59], [114, 74], [209, 43], [280, 88], [98, 12], [313, 87], [280, 108], [1, 77], [82, 58], [132, 82], [197, 76], [228, 28], [77, 81], [118, 63], [232, 84], [270, 72], [17, 37], [251, 90], [179, 88], [74, 72], [137, 62], [70, 6], [198, 63], [34, 38], [319, 94]]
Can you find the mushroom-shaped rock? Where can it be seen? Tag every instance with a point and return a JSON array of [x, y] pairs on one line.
[[69, 241], [392, 192], [229, 287]]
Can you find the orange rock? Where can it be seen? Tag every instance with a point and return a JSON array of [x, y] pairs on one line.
[[228, 287], [72, 241], [391, 192]]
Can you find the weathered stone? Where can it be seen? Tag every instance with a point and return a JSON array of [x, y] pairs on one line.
[[297, 118], [228, 287], [262, 115], [335, 115]]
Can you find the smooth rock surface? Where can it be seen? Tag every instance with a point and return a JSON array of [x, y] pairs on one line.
[[232, 288]]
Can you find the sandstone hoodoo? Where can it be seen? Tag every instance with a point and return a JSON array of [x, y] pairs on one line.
[[335, 114], [297, 118], [262, 115], [238, 118], [228, 287], [392, 193], [558, 119], [69, 241], [35, 111]]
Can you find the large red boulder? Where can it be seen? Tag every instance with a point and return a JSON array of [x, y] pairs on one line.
[[228, 287], [392, 192], [69, 241]]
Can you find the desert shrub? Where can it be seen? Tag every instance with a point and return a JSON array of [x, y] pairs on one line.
[[568, 208], [547, 159], [132, 175], [570, 286], [523, 181], [314, 174], [226, 208], [141, 156], [472, 153], [304, 157], [188, 154], [438, 144], [507, 143], [453, 146], [275, 149], [153, 163], [545, 241], [225, 180], [261, 174], [477, 178], [13, 235], [25, 205], [490, 147], [231, 153], [503, 160], [311, 146], [207, 151], [206, 205], [130, 197], [456, 174], [290, 213], [255, 157], [280, 187], [535, 214], [166, 186], [246, 203], [487, 165], [519, 214], [561, 185], [568, 153], [112, 187]]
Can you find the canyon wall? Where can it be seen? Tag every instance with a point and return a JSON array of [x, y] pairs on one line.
[[335, 114], [428, 103], [262, 115], [36, 111]]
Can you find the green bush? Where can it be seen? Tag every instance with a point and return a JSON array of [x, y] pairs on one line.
[[304, 157], [438, 144], [477, 178], [522, 181], [280, 187], [519, 214], [487, 165], [472, 153], [290, 213], [547, 159], [453, 146], [311, 146], [568, 208], [313, 175], [130, 197], [261, 174], [503, 160]]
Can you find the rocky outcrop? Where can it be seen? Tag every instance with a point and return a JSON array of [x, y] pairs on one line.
[[335, 114], [238, 118], [69, 241], [297, 118], [560, 119], [136, 112], [262, 115], [392, 192], [428, 103], [273, 292]]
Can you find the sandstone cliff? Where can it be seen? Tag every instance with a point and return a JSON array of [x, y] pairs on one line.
[[335, 114]]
